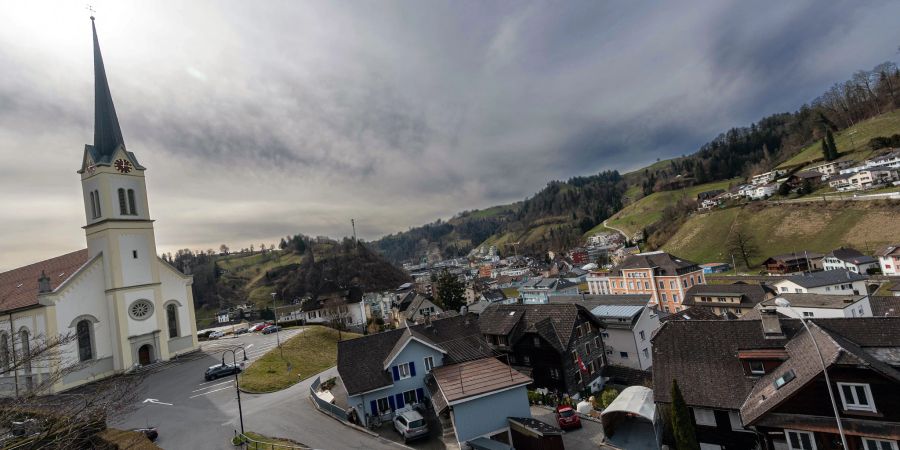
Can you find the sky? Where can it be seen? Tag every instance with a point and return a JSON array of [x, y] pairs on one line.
[[261, 119]]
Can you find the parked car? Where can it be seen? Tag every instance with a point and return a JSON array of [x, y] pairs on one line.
[[258, 327], [567, 418], [151, 433], [411, 425], [241, 331], [271, 329], [221, 370], [216, 334]]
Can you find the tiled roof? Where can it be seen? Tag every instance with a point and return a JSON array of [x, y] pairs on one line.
[[824, 278], [667, 264], [458, 382], [852, 256], [692, 313], [890, 250], [750, 294], [503, 319], [817, 300], [885, 306], [590, 301], [627, 376], [19, 287], [793, 256]]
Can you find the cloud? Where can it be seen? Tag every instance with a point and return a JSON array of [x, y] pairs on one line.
[[256, 121]]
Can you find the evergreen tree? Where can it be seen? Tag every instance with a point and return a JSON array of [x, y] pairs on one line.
[[829, 138], [826, 152], [682, 425], [451, 292]]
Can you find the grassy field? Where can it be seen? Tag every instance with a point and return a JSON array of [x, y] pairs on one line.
[[851, 146], [306, 354], [261, 442], [648, 210], [777, 229]]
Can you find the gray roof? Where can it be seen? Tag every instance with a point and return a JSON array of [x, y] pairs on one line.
[[617, 311], [852, 256], [817, 300], [591, 301], [665, 264], [750, 294], [824, 278]]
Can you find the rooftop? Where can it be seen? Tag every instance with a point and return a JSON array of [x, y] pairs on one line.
[[617, 311], [823, 278], [460, 382], [19, 287], [665, 263], [817, 300]]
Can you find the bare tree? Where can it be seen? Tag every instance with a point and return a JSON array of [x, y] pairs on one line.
[[742, 244], [337, 311]]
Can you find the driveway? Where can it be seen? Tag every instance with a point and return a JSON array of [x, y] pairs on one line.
[[193, 413], [589, 436]]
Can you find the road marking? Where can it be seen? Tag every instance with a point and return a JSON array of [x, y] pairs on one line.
[[214, 385], [156, 402], [210, 392], [245, 348]]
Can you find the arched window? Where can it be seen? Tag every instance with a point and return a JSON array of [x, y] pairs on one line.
[[123, 203], [172, 319], [4, 350], [83, 333], [93, 205], [97, 199], [132, 206], [26, 357]]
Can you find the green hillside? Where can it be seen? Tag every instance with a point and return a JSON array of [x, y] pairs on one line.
[[777, 229], [648, 210], [851, 146]]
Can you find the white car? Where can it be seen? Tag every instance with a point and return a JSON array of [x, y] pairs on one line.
[[216, 334], [411, 425]]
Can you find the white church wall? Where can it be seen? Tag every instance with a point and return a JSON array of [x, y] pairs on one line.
[[85, 295], [136, 271], [148, 325], [175, 287]]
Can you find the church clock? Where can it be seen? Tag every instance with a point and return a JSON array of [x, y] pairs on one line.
[[123, 166]]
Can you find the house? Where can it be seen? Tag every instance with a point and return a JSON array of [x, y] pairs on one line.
[[763, 191], [413, 308], [386, 371], [850, 259], [479, 396], [487, 298], [598, 282], [558, 345], [885, 306], [800, 261], [715, 267], [540, 289], [766, 178], [821, 305], [342, 307], [868, 178], [830, 168], [628, 323], [889, 259], [663, 276], [708, 200], [768, 385], [840, 281], [691, 313], [840, 182], [891, 160], [724, 299], [799, 179]]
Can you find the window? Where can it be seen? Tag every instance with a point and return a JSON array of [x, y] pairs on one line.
[[501, 340], [798, 290], [429, 363], [140, 309], [383, 405], [587, 349], [631, 285], [675, 298], [672, 285], [705, 417], [784, 379], [409, 397], [646, 285], [597, 342], [123, 203], [83, 334], [554, 374], [856, 397], [878, 444], [609, 352], [93, 205], [757, 368], [684, 282], [800, 440], [642, 335], [574, 357], [404, 370], [537, 341], [784, 289], [604, 334], [623, 354], [97, 213], [664, 297], [132, 209], [526, 360], [662, 285], [807, 313], [134, 254], [5, 356], [172, 320]]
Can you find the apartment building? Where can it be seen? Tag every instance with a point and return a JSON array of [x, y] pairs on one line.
[[663, 276]]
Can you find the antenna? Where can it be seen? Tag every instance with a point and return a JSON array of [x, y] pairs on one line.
[[90, 8], [353, 224]]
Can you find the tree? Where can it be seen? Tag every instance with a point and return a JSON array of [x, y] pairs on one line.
[[223, 249], [784, 189], [450, 291], [682, 425], [832, 147], [741, 243]]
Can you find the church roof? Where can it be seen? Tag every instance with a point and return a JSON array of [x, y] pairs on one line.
[[19, 287]]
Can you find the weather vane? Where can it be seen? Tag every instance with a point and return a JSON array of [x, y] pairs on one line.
[[90, 8]]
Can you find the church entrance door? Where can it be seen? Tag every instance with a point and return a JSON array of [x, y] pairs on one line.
[[144, 354]]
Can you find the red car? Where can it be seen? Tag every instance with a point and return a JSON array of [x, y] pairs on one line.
[[567, 418]]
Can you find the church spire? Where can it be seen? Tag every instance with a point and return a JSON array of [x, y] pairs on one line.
[[107, 134]]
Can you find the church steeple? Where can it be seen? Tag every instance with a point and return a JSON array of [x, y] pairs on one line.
[[107, 133]]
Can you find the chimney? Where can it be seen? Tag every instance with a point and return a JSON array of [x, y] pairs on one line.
[[770, 323], [44, 284]]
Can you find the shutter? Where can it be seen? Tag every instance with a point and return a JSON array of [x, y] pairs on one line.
[[420, 395], [399, 400], [374, 405], [391, 403], [412, 368], [396, 373]]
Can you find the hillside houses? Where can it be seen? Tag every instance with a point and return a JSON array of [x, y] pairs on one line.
[[850, 259]]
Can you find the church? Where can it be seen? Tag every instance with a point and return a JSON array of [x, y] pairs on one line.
[[122, 306]]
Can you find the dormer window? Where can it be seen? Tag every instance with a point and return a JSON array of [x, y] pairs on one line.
[[757, 368], [784, 379], [856, 397]]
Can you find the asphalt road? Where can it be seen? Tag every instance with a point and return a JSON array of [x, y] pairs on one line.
[[588, 437], [193, 413]]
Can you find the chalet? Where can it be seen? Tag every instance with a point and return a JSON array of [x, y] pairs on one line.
[[798, 179], [759, 384], [413, 307], [838, 282], [800, 261], [821, 305], [871, 177], [850, 259], [840, 182], [708, 200], [341, 307], [723, 299], [889, 259], [558, 345]]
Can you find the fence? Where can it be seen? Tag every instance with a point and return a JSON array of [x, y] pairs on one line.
[[252, 444], [322, 405]]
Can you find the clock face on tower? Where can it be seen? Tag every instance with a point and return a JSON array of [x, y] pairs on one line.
[[123, 166]]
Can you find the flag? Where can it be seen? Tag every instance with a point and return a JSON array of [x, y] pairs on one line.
[[581, 363]]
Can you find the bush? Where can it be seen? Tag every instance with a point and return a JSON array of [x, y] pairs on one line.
[[605, 398]]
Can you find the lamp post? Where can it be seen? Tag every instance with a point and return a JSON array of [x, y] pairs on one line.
[[784, 303], [277, 336], [236, 380]]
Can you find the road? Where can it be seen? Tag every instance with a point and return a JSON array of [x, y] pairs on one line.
[[193, 413], [589, 436]]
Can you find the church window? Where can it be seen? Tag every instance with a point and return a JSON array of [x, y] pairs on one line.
[[123, 205], [4, 350], [83, 333], [93, 205], [97, 213], [172, 319], [134, 254], [132, 208], [140, 309]]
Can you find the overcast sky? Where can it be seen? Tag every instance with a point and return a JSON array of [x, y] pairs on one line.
[[261, 119]]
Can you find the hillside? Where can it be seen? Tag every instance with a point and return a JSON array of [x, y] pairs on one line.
[[851, 142], [777, 229]]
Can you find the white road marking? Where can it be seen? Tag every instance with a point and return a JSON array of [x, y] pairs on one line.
[[214, 385], [210, 392], [156, 402]]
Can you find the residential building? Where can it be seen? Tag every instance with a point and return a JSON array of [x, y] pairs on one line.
[[821, 305], [797, 180], [840, 182], [540, 289], [414, 308], [557, 345], [690, 313], [838, 282], [830, 168], [598, 282], [722, 299], [763, 191], [766, 178], [799, 261], [759, 384], [709, 268], [663, 276], [628, 324], [889, 259], [708, 200], [342, 307], [891, 160], [871, 177], [885, 306], [850, 259]]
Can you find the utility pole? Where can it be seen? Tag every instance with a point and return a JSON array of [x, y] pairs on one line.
[[277, 337]]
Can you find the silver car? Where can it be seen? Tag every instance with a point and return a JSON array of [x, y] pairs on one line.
[[411, 425]]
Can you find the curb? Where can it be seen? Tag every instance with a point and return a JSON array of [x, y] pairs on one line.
[[357, 427]]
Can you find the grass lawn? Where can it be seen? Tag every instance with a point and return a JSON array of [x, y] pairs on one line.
[[307, 354], [265, 442], [855, 148], [510, 292]]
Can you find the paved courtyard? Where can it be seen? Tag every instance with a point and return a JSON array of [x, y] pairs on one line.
[[589, 436]]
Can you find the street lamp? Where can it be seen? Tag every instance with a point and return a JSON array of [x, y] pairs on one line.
[[236, 380], [784, 303], [277, 336]]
